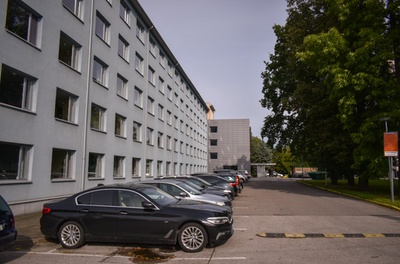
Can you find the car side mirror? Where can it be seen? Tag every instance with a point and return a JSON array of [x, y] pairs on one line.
[[183, 194], [147, 205]]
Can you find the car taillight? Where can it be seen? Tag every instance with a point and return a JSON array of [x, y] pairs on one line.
[[46, 210], [13, 222]]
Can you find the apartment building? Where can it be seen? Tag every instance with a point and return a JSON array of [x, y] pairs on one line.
[[90, 94], [229, 144]]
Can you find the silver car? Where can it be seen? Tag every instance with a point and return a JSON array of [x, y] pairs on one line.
[[181, 190]]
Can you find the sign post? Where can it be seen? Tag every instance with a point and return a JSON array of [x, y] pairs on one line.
[[391, 149]]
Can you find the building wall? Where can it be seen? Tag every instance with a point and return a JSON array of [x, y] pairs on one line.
[[42, 132], [232, 139]]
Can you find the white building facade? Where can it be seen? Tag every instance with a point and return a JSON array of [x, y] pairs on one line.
[[90, 94]]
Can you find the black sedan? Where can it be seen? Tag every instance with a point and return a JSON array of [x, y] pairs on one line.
[[135, 213], [8, 233]]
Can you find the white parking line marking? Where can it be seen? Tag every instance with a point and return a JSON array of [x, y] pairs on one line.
[[240, 229], [221, 258]]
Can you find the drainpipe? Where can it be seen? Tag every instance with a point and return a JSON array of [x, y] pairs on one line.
[[87, 105]]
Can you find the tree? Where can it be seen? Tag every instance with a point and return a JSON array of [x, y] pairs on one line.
[[329, 83]]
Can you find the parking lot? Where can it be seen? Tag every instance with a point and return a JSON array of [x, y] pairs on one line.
[[275, 221]]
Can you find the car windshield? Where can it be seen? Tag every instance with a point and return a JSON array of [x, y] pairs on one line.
[[159, 196], [189, 188], [201, 181]]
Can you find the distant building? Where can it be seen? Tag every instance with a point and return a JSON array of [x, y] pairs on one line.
[[90, 94], [228, 143]]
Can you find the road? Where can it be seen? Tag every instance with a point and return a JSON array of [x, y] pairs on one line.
[[275, 221]]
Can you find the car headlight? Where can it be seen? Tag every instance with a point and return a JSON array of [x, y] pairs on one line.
[[227, 191], [218, 220]]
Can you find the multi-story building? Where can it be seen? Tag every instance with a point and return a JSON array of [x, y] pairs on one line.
[[228, 143], [90, 94]]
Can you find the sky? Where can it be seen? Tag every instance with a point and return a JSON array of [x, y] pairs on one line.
[[222, 45]]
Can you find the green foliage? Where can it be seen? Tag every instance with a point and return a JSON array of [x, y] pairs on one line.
[[334, 75], [259, 151]]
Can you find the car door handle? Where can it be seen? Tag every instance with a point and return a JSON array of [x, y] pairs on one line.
[[123, 212], [85, 210]]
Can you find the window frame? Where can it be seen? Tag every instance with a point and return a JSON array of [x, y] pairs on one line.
[[118, 167], [72, 106], [120, 126], [98, 172], [102, 30], [124, 12], [123, 48], [122, 86], [77, 9], [75, 52], [137, 133], [101, 119], [68, 165], [34, 24], [100, 72], [22, 163], [27, 97]]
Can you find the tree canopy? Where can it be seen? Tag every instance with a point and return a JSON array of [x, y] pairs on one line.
[[332, 78]]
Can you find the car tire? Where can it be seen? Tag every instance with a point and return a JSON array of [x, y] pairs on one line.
[[71, 235], [192, 237]]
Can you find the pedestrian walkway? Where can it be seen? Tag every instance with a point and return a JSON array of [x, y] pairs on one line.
[[28, 227]]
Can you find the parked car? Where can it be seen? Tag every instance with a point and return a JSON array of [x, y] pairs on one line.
[[242, 178], [214, 179], [135, 213], [181, 190], [203, 185], [8, 232], [245, 173], [233, 180]]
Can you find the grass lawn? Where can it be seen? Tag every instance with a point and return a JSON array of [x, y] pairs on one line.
[[378, 192]]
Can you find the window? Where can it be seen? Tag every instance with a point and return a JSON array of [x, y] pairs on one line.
[[140, 31], [138, 97], [66, 106], [120, 125], [161, 112], [100, 70], [122, 89], [124, 12], [102, 29], [152, 76], [169, 142], [131, 199], [213, 129], [139, 64], [175, 145], [169, 93], [135, 167], [168, 168], [14, 162], [62, 164], [162, 59], [152, 47], [137, 135], [213, 155], [213, 142], [119, 167], [75, 6], [23, 22], [169, 118], [159, 168], [160, 140], [69, 52], [149, 167], [150, 105], [98, 118], [123, 48], [149, 136], [17, 89], [95, 169], [161, 85]]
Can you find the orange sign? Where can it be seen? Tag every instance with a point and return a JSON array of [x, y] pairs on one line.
[[390, 144]]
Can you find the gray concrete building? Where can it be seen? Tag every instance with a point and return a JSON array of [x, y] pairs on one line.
[[229, 144], [90, 94]]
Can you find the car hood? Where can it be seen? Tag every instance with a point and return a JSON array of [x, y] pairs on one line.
[[199, 205]]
